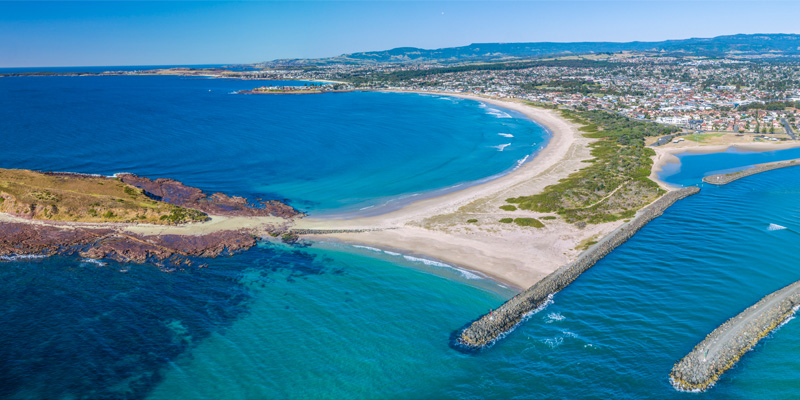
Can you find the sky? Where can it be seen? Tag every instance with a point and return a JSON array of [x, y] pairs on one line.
[[97, 33]]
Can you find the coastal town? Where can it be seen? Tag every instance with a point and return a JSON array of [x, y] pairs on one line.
[[697, 94]]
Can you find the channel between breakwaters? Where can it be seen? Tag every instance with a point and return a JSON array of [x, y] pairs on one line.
[[487, 329], [723, 347], [724, 179]]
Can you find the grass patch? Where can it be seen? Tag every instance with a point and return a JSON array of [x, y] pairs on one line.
[[549, 217], [508, 207], [703, 137], [472, 221], [620, 161], [84, 199], [507, 220], [529, 222]]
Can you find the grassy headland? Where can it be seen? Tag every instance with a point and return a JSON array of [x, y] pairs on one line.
[[615, 184], [82, 198]]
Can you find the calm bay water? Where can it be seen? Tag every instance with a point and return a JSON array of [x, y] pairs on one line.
[[334, 321], [339, 151]]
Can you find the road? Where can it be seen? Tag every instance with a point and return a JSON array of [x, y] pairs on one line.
[[788, 127]]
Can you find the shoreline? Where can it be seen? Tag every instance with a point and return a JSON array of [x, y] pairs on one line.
[[437, 226], [398, 202], [669, 155]]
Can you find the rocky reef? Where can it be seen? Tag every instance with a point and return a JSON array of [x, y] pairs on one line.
[[125, 194], [22, 238], [485, 330], [174, 192]]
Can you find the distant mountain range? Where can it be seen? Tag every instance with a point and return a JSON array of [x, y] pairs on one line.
[[753, 44]]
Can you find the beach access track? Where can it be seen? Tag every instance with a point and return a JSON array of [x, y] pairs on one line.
[[724, 179], [723, 347], [487, 329]]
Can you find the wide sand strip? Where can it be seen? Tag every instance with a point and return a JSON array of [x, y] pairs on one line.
[[438, 227]]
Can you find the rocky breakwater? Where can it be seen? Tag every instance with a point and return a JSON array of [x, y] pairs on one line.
[[724, 179], [723, 347], [484, 331]]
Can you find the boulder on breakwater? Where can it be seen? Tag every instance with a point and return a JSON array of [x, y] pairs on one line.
[[724, 179], [723, 347], [490, 327]]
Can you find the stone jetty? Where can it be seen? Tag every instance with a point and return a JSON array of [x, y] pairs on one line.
[[484, 331], [720, 350], [724, 179]]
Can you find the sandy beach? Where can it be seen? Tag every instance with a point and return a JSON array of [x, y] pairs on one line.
[[438, 228]]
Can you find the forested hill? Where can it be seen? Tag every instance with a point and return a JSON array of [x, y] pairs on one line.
[[751, 44]]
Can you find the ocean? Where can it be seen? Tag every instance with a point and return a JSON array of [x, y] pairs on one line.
[[337, 321]]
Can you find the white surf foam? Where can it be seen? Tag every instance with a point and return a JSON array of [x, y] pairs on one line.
[[93, 261], [520, 162], [463, 272], [554, 316], [17, 257], [554, 342], [775, 227], [505, 134], [502, 146], [368, 248]]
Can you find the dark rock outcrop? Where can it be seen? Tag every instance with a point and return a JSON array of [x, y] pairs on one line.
[[20, 238], [174, 192]]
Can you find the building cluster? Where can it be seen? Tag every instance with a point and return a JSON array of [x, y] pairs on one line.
[[694, 93]]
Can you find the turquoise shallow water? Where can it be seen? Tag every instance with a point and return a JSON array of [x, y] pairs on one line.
[[335, 321]]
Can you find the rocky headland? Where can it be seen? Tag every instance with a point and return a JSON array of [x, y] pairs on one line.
[[53, 220]]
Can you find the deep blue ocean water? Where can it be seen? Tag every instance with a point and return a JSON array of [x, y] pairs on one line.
[[334, 321], [326, 152]]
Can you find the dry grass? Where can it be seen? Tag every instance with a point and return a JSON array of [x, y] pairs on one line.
[[84, 199]]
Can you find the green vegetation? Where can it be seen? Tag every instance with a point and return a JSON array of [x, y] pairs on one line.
[[64, 197], [703, 137], [130, 191], [771, 106], [615, 183], [472, 221], [507, 220], [508, 207], [179, 215], [529, 222], [549, 217]]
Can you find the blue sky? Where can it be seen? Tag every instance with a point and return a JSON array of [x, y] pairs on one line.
[[165, 33]]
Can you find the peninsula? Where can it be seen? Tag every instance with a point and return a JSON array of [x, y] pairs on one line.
[[127, 218]]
